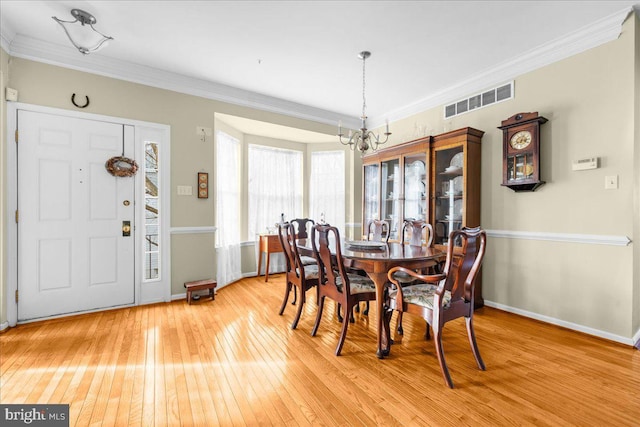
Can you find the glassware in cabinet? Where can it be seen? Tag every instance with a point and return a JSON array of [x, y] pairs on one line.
[[391, 195], [415, 186], [449, 192], [371, 196]]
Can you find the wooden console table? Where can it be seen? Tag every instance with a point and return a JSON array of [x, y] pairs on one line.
[[269, 244]]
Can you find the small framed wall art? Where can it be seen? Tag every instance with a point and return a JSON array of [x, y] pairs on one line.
[[203, 185]]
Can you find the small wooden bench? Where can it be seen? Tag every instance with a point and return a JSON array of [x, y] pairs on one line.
[[201, 285]]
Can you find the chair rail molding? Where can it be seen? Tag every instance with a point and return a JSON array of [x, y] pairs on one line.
[[593, 239], [193, 230]]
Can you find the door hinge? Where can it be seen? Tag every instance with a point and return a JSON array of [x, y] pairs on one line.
[[17, 216], [16, 295], [16, 136]]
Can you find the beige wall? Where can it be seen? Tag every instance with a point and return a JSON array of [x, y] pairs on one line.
[[192, 254], [591, 102]]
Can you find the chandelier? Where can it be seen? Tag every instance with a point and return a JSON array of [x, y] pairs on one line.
[[84, 37], [363, 139]]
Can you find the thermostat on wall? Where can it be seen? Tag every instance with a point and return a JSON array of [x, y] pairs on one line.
[[584, 164]]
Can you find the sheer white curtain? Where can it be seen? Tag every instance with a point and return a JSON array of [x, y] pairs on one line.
[[326, 188], [227, 209], [275, 188]]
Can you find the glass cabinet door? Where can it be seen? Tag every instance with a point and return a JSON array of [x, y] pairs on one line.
[[390, 191], [415, 187], [449, 188], [371, 196], [520, 167]]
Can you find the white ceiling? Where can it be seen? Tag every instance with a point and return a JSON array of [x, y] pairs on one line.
[[300, 57]]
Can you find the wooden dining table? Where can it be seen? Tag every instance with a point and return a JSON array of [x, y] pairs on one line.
[[376, 262]]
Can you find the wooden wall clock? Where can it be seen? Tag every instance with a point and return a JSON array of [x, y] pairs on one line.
[[521, 151]]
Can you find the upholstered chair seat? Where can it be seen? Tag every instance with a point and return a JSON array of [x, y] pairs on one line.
[[421, 295]]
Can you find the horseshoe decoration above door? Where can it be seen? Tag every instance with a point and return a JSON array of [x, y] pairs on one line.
[[73, 100]]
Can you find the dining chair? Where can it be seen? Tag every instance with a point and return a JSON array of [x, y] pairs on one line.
[[413, 231], [298, 275], [302, 227], [347, 289], [440, 298], [378, 231]]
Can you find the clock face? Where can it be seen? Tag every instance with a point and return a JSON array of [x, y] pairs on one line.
[[521, 139]]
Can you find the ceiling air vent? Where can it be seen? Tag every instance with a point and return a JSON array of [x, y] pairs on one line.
[[497, 94]]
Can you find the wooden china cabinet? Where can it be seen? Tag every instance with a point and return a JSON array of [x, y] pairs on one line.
[[455, 182], [435, 178], [395, 185]]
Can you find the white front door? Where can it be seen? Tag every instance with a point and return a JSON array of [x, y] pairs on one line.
[[72, 253]]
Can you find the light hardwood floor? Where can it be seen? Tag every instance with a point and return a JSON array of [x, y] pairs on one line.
[[234, 361]]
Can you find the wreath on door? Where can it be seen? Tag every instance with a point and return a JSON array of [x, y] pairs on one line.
[[121, 166]]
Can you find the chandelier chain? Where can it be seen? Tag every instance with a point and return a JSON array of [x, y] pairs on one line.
[[363, 139], [364, 101]]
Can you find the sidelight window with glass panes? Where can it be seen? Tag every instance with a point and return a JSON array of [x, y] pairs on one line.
[[151, 212]]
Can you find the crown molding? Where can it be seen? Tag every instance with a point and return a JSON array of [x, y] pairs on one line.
[[4, 42], [602, 31], [596, 34], [68, 57]]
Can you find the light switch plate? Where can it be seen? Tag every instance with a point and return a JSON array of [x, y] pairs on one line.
[[611, 182], [185, 190], [11, 94]]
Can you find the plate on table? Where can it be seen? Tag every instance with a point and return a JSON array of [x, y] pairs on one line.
[[365, 244], [457, 161]]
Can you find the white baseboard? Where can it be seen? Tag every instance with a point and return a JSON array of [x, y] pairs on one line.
[[563, 323], [176, 297], [75, 313], [636, 340]]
